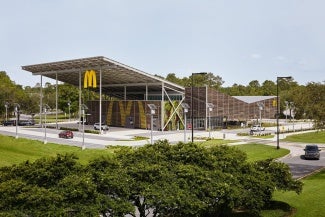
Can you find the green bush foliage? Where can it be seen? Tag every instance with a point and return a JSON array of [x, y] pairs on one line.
[[163, 179]]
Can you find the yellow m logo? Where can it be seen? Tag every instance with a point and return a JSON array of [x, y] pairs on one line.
[[274, 103], [90, 79]]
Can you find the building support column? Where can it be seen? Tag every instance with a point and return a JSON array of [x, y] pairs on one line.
[[56, 100], [124, 93], [79, 122], [41, 101], [162, 107], [206, 108], [100, 100]]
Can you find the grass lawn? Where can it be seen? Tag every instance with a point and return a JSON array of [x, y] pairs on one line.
[[15, 151], [257, 152], [309, 203], [313, 137], [213, 142], [254, 151]]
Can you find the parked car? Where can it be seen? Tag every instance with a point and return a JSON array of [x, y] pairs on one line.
[[26, 122], [9, 123], [104, 126], [256, 128], [312, 152], [67, 134]]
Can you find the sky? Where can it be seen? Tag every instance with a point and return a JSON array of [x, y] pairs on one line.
[[238, 40]]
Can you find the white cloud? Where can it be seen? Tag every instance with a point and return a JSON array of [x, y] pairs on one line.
[[256, 56], [280, 58]]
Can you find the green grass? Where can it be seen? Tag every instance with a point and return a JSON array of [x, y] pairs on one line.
[[310, 202], [313, 137], [257, 152], [254, 151], [212, 142], [15, 151]]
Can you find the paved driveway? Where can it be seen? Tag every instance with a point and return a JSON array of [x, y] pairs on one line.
[[300, 167]]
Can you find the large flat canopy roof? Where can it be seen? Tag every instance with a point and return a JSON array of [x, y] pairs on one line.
[[116, 77]]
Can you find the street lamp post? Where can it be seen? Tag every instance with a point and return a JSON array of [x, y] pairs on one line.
[[292, 114], [17, 106], [185, 108], [69, 103], [7, 106], [278, 110], [153, 108], [260, 108], [192, 108], [286, 102], [210, 107], [83, 114], [46, 107]]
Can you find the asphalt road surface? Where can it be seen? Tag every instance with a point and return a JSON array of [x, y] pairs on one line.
[[300, 167]]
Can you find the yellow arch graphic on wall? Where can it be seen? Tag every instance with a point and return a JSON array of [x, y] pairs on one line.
[[90, 79], [143, 119], [125, 112], [109, 113]]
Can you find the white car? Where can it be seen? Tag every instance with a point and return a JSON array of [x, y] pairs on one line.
[[256, 128], [104, 126]]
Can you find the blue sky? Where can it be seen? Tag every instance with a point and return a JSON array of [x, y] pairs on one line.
[[239, 40]]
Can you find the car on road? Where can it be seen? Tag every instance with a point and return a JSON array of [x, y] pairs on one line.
[[9, 123], [67, 134], [26, 123], [312, 152], [256, 128], [103, 126]]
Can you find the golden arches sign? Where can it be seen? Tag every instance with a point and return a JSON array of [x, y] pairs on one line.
[[90, 79]]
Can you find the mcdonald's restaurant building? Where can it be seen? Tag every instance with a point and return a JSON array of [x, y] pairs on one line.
[[135, 97]]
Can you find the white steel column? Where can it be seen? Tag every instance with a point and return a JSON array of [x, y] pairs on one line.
[[41, 102], [124, 93], [206, 107], [56, 100], [162, 107], [100, 100], [79, 100]]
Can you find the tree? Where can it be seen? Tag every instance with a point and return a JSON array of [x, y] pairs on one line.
[[268, 88], [313, 100], [47, 187], [161, 179], [68, 93], [254, 88], [188, 180]]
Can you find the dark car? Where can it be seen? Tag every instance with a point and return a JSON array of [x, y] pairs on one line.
[[9, 123], [67, 134], [312, 152]]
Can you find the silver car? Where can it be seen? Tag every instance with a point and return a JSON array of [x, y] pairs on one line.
[[104, 126]]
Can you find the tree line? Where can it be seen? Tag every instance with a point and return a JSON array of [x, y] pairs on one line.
[[307, 100], [161, 179]]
